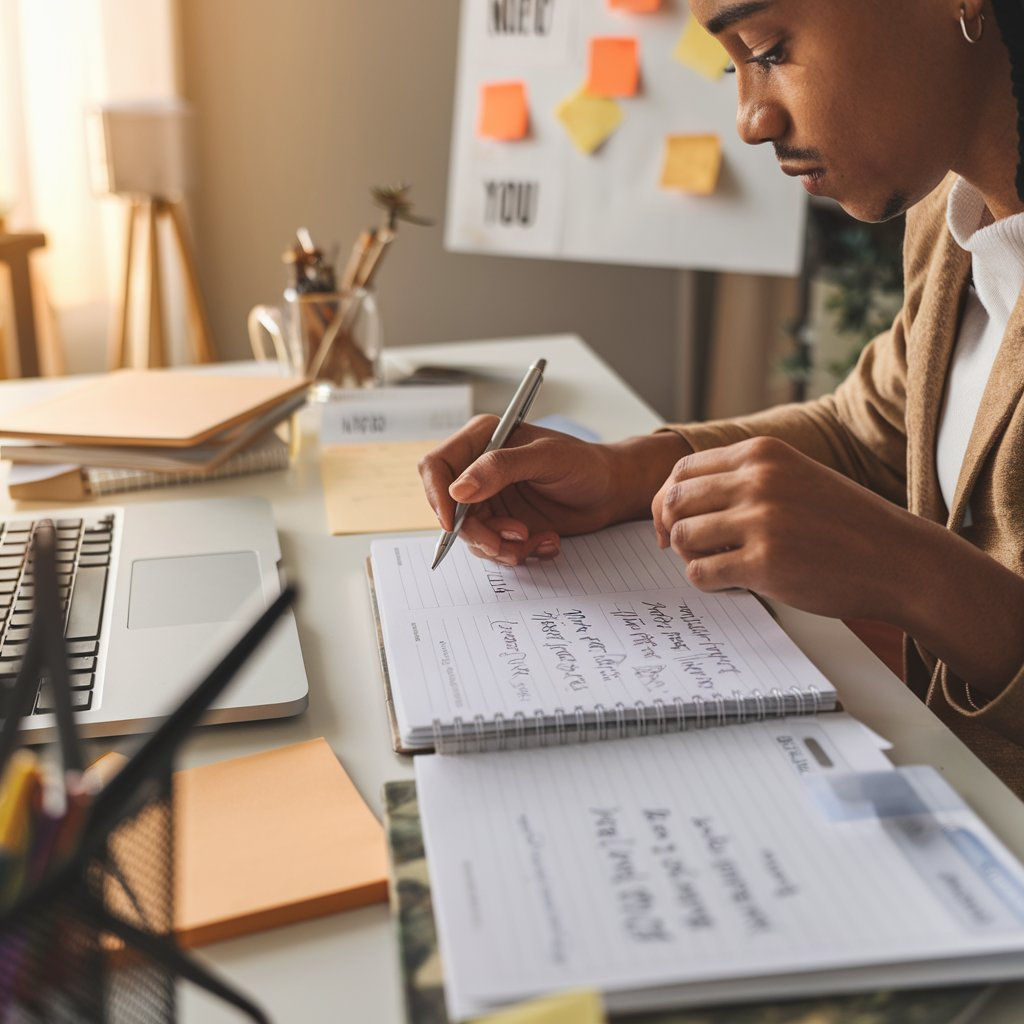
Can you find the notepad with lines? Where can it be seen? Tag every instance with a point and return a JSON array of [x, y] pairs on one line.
[[771, 860], [609, 639]]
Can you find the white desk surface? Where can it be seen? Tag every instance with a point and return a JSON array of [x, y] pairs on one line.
[[344, 966]]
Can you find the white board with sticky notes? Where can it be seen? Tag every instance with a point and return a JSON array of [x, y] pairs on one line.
[[605, 130]]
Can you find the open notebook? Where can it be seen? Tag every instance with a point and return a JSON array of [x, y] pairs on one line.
[[609, 639], [422, 969], [772, 860]]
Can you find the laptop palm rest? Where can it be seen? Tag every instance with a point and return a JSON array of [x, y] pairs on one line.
[[193, 589]]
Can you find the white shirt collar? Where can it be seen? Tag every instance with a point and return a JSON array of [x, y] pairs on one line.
[[996, 248]]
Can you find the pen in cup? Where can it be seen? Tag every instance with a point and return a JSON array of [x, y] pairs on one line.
[[511, 418]]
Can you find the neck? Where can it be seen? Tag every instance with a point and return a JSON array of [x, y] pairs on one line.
[[1001, 202], [990, 157], [998, 185]]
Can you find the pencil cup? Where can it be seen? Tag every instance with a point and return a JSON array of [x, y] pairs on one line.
[[334, 338], [62, 958]]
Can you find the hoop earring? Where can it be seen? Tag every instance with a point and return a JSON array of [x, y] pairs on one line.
[[963, 26]]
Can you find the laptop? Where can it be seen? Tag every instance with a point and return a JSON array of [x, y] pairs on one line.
[[155, 594]]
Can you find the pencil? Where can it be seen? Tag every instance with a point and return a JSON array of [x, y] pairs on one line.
[[355, 261]]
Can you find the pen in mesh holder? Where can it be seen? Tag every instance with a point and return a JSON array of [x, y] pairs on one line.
[[86, 932]]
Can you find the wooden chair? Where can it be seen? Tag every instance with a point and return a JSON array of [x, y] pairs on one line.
[[14, 251]]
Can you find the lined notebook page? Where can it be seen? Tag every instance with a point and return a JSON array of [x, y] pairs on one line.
[[612, 622], [696, 857]]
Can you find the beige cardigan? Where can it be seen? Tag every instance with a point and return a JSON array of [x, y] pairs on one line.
[[880, 426]]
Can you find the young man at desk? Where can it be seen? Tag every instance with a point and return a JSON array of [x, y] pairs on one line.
[[900, 497]]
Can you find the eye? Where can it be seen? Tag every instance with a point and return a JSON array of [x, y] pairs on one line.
[[770, 58], [729, 69]]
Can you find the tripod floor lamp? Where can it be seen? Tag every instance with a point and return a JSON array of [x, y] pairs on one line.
[[141, 157]]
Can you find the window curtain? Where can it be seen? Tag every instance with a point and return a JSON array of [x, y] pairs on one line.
[[58, 60]]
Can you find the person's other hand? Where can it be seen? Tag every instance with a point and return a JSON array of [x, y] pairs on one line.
[[761, 515], [544, 485]]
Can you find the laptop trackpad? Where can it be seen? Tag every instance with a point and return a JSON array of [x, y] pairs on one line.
[[192, 589]]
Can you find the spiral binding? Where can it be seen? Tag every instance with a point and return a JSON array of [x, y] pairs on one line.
[[562, 727]]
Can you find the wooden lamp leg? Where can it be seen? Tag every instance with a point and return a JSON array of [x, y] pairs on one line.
[[120, 355], [155, 355], [150, 351], [202, 346]]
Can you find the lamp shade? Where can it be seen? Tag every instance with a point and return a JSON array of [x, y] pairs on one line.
[[140, 148]]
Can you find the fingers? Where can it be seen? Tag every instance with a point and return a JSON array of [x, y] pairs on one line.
[[696, 536], [682, 498], [525, 461], [457, 471], [720, 479], [441, 465], [719, 571], [506, 540]]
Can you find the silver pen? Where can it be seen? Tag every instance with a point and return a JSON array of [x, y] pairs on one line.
[[512, 417]]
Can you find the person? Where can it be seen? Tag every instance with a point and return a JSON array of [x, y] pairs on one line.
[[899, 497]]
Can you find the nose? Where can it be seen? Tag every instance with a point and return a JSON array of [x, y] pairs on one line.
[[759, 118]]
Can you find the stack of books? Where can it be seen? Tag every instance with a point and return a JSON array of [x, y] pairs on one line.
[[132, 429]]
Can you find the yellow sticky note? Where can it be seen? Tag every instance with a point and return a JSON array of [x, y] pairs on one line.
[[614, 68], [635, 6], [588, 120], [700, 50], [565, 1008], [692, 163], [504, 111], [375, 487]]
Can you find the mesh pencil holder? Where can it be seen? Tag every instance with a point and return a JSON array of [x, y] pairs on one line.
[[93, 941], [86, 910]]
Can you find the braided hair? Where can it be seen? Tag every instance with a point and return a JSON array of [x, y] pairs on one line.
[[1010, 17]]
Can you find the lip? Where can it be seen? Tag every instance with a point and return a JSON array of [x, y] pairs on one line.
[[810, 177]]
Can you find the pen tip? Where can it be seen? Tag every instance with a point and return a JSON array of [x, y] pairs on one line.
[[444, 544], [440, 550]]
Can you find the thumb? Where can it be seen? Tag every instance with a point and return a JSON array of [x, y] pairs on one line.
[[494, 471]]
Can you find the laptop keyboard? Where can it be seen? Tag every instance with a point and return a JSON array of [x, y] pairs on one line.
[[83, 551]]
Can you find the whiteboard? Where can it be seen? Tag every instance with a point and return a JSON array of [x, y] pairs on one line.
[[541, 197]]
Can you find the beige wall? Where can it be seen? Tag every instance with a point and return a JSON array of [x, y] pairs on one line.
[[300, 106]]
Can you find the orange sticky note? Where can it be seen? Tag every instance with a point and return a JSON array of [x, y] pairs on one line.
[[635, 6], [692, 163], [504, 111], [614, 66], [311, 844]]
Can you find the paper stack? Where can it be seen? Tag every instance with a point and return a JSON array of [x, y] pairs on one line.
[[184, 424]]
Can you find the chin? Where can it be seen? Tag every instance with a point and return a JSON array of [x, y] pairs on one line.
[[876, 209]]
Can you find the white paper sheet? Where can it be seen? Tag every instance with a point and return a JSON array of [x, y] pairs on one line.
[[611, 625], [704, 856]]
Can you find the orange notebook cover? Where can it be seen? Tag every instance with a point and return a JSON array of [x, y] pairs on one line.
[[270, 839], [173, 408]]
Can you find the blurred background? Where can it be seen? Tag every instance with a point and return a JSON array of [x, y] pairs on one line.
[[297, 108]]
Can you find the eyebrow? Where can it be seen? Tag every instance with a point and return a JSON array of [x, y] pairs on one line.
[[737, 12]]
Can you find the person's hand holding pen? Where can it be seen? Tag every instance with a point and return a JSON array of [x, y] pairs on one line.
[[540, 486]]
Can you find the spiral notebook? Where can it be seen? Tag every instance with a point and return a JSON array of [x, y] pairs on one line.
[[609, 639], [779, 859], [419, 957]]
